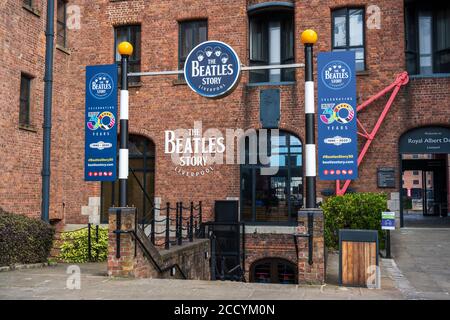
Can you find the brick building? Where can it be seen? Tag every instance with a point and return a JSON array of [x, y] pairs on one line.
[[389, 36]]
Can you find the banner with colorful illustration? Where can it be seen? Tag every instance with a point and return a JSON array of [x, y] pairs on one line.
[[337, 127], [101, 123]]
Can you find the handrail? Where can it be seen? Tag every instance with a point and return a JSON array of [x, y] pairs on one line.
[[141, 243]]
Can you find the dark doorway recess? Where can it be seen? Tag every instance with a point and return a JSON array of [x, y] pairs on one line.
[[274, 270], [227, 236], [142, 163], [425, 177]]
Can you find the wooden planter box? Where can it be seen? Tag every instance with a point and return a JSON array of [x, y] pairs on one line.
[[358, 251]]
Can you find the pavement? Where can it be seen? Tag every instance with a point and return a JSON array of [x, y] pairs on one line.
[[59, 282], [420, 270], [422, 255]]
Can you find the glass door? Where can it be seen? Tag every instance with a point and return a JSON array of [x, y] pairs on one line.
[[428, 193]]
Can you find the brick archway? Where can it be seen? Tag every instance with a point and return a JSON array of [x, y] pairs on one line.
[[274, 270], [142, 159]]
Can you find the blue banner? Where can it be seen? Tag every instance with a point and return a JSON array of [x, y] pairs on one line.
[[101, 123], [337, 127]]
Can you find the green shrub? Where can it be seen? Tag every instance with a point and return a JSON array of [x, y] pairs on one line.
[[23, 239], [353, 211], [74, 248]]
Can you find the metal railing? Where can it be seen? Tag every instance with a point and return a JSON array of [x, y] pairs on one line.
[[92, 250], [191, 223], [176, 226]]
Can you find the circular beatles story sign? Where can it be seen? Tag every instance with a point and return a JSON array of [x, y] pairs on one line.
[[212, 69]]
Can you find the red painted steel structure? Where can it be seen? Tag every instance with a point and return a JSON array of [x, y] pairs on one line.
[[401, 80]]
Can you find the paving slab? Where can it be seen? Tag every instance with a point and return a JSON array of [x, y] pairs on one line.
[[423, 257], [55, 282]]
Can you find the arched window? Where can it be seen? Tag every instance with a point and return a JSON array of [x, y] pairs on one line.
[[273, 270], [142, 162], [271, 41], [275, 195]]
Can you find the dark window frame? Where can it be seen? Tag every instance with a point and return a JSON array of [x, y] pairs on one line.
[[264, 17], [134, 63], [415, 51], [25, 102], [291, 167], [61, 25], [181, 24], [273, 263], [347, 46]]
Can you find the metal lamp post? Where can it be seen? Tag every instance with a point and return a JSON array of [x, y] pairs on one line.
[[309, 38], [125, 50]]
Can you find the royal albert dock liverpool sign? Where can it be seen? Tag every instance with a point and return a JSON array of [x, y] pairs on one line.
[[337, 128], [212, 69], [100, 123]]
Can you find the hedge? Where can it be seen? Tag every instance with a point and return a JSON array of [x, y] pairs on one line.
[[74, 248], [353, 211], [24, 240]]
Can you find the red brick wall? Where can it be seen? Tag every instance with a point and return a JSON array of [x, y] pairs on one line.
[[160, 104], [22, 34], [284, 246]]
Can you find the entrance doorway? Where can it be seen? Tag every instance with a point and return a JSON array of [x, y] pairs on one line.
[[142, 163], [424, 160]]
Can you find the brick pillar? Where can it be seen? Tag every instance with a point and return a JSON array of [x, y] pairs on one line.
[[125, 265], [314, 273]]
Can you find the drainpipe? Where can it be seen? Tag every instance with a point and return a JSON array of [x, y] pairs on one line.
[[47, 126]]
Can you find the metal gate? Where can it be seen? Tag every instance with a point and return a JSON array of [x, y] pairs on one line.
[[227, 250]]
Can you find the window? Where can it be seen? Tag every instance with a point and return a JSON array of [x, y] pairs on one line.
[[273, 198], [61, 31], [272, 42], [273, 270], [131, 34], [28, 3], [427, 29], [25, 97], [348, 33], [415, 181], [416, 173], [191, 33]]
